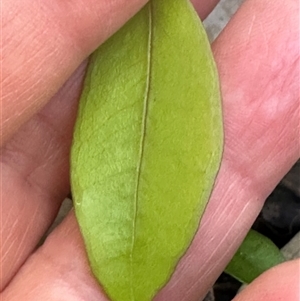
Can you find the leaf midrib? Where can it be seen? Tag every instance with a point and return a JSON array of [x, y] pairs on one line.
[[142, 141]]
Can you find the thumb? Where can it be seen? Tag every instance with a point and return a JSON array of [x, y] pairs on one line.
[[43, 42]]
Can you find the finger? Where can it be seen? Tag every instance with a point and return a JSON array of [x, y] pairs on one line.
[[204, 10], [35, 177], [279, 283], [225, 204], [35, 168], [43, 43], [49, 273]]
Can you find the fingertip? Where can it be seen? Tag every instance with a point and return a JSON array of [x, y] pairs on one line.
[[279, 283], [204, 8]]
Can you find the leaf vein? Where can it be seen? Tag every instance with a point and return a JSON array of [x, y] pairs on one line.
[[142, 142]]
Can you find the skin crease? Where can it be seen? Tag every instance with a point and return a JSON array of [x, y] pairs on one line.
[[258, 61]]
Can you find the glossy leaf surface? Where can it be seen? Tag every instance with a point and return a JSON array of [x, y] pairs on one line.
[[256, 255], [147, 147]]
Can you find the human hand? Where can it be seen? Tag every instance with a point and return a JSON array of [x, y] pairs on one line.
[[258, 62]]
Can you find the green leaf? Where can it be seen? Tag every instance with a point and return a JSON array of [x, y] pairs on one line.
[[256, 254], [147, 148]]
